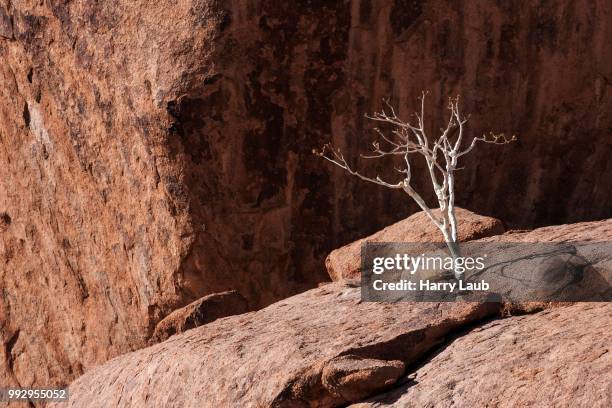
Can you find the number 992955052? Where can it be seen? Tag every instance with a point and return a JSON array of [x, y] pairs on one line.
[[33, 394]]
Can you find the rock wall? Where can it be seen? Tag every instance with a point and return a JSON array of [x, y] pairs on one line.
[[95, 217], [155, 152]]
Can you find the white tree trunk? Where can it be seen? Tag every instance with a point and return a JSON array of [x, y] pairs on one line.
[[454, 250]]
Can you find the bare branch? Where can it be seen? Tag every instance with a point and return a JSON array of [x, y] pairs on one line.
[[491, 138], [421, 203], [338, 159]]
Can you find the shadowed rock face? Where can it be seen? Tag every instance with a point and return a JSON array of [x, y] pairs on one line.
[[156, 152]]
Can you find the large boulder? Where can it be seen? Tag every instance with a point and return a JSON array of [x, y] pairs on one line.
[[321, 348], [204, 310], [345, 262], [326, 347], [556, 358]]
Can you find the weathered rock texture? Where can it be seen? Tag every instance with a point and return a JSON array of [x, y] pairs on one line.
[[321, 348], [95, 217], [345, 262], [326, 347], [202, 311], [556, 358], [155, 152]]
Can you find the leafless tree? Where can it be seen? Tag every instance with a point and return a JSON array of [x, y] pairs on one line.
[[441, 154]]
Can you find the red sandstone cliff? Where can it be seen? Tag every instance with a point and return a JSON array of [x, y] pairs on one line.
[[155, 152]]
